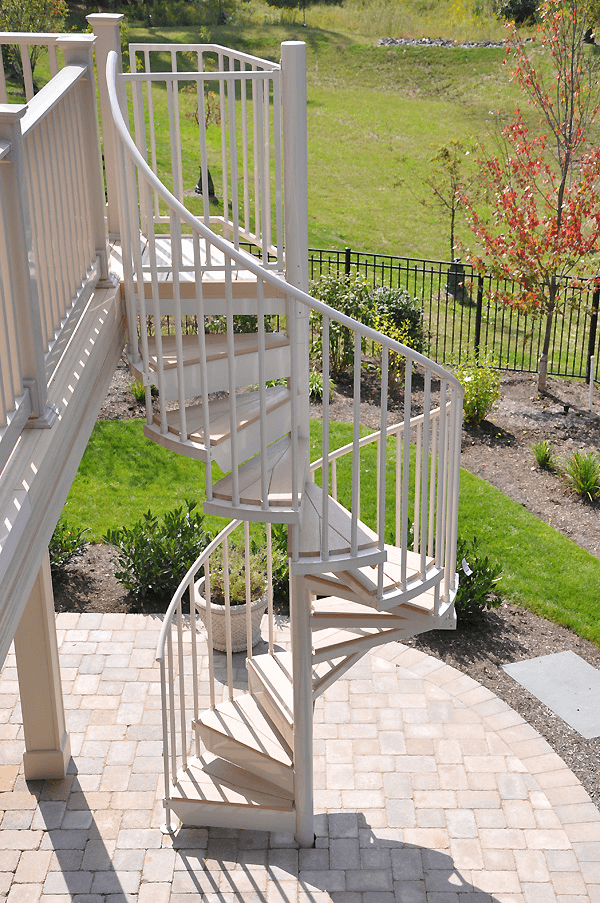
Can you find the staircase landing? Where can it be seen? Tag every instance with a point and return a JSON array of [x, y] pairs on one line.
[[427, 786]]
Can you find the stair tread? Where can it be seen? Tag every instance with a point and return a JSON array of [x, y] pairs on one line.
[[243, 721], [247, 412], [277, 680], [335, 612], [216, 347], [339, 527], [360, 584], [335, 635], [279, 476], [211, 779]]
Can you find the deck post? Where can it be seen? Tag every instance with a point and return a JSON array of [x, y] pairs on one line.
[[78, 49], [47, 747], [23, 270], [106, 28]]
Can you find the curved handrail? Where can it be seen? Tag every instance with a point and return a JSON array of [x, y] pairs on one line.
[[390, 430], [246, 260], [193, 569]]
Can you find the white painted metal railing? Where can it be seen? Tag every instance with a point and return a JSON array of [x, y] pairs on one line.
[[185, 647], [437, 461], [422, 453], [240, 96], [52, 234]]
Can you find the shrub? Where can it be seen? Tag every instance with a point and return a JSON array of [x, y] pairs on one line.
[[398, 307], [350, 296], [582, 472], [481, 381], [478, 576], [66, 544], [518, 11], [154, 554], [544, 454], [315, 386]]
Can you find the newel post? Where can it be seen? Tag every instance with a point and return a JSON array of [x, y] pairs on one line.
[[106, 29], [295, 184], [23, 274], [79, 50]]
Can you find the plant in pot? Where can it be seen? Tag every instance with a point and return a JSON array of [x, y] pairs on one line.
[[236, 572]]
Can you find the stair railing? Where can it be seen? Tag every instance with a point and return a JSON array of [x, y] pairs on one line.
[[430, 479], [239, 94], [185, 646], [441, 388]]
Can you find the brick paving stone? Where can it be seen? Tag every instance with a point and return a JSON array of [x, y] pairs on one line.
[[430, 773]]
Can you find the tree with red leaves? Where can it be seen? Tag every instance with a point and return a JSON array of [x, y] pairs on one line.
[[541, 218]]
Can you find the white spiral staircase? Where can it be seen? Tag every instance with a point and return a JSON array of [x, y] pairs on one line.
[[237, 755]]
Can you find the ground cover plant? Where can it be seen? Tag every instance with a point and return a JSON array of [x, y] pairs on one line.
[[582, 472]]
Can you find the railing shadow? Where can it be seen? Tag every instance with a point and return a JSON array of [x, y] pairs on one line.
[[86, 865], [350, 860]]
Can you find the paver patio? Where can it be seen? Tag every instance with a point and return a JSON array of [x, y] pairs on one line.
[[428, 788]]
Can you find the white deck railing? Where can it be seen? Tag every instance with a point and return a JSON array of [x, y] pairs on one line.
[[23, 45], [240, 96], [52, 234]]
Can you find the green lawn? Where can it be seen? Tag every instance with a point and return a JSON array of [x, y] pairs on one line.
[[375, 117], [123, 475]]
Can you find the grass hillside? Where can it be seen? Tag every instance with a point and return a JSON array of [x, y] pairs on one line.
[[376, 114]]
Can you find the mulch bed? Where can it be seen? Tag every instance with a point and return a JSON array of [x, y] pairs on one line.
[[500, 452]]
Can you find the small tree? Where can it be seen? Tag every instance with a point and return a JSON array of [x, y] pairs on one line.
[[541, 221], [30, 16], [449, 176]]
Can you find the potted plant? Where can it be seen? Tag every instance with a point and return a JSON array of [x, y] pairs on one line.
[[237, 598]]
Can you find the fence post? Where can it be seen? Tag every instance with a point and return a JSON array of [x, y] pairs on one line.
[[24, 276], [347, 261], [106, 29], [593, 328], [478, 314], [79, 50]]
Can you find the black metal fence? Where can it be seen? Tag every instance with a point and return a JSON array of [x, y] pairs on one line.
[[461, 319]]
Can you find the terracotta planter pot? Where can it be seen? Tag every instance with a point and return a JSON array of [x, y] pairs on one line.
[[238, 621]]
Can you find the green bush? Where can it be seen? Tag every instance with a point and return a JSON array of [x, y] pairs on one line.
[[478, 576], [582, 472], [315, 386], [481, 381], [154, 554], [544, 454], [66, 544], [519, 11], [404, 311], [348, 295]]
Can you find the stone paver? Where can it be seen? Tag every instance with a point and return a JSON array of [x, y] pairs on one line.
[[430, 790]]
